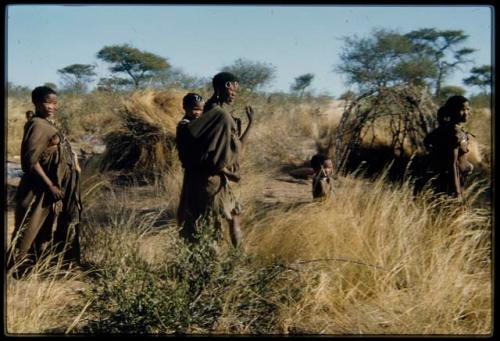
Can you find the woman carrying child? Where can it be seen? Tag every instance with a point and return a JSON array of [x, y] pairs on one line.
[[212, 161]]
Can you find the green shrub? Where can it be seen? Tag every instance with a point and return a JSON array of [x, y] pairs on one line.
[[187, 294]]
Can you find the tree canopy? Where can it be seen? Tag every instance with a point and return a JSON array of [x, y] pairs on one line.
[[480, 77], [387, 58], [252, 75], [383, 59], [302, 82], [76, 76], [140, 66], [444, 48]]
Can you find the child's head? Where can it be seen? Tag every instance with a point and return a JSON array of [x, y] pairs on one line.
[[193, 105], [45, 101], [328, 167], [319, 161]]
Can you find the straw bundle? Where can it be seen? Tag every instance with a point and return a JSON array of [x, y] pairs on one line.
[[145, 143]]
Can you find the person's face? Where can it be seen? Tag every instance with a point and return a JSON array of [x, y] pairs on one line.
[[328, 167], [47, 107], [230, 92], [464, 113], [195, 111]]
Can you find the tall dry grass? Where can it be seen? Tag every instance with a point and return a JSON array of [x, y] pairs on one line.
[[47, 300], [383, 262]]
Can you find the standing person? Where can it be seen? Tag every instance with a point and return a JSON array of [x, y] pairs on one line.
[[214, 156], [448, 146], [48, 205], [322, 184]]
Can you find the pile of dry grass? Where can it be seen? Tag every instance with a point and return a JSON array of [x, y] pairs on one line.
[[145, 143]]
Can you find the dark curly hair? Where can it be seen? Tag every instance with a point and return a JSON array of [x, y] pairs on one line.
[[219, 81], [451, 108], [40, 92], [190, 100]]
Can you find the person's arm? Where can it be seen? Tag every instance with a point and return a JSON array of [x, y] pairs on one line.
[[77, 164], [455, 174], [244, 136], [54, 189]]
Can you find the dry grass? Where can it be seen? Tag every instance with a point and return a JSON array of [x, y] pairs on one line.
[[145, 144], [480, 125], [374, 260], [48, 300], [384, 263], [16, 118]]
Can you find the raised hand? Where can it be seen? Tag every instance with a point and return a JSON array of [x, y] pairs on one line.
[[249, 112], [77, 165]]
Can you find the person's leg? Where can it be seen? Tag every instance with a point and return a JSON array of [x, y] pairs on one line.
[[31, 239], [235, 230], [66, 239], [25, 234]]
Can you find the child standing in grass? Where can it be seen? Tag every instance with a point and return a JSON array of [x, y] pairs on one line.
[[322, 185]]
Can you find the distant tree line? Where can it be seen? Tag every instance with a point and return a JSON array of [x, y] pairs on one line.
[[426, 57]]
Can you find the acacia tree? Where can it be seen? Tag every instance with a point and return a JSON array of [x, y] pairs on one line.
[[140, 66], [385, 58], [77, 76], [302, 82], [480, 77], [252, 75], [444, 49]]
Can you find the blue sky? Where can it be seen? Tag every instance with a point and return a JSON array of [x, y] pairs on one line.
[[201, 39]]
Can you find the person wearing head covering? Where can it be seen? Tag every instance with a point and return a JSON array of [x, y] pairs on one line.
[[212, 164], [447, 146], [48, 205]]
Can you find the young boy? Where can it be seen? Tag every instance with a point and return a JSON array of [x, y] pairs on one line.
[[322, 185]]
